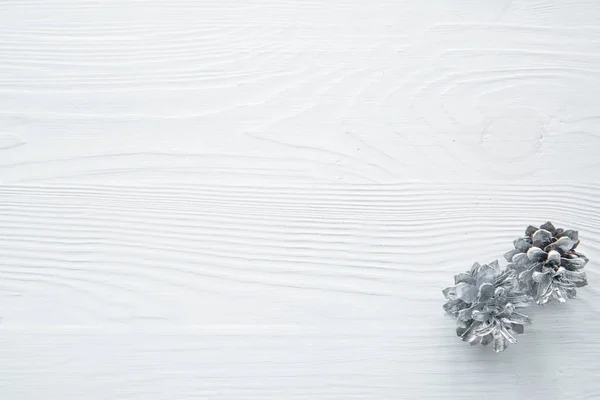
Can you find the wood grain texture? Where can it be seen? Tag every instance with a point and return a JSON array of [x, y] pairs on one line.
[[236, 292], [361, 92], [264, 199]]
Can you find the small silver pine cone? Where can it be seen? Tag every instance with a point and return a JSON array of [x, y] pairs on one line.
[[483, 301], [547, 264]]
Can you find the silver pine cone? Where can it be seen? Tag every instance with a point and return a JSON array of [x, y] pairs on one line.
[[547, 264], [484, 301]]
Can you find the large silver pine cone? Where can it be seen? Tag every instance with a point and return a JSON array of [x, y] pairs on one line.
[[484, 301]]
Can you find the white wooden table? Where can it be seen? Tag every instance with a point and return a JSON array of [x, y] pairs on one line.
[[226, 199]]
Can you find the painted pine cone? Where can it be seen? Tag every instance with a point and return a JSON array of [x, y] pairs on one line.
[[484, 301], [547, 264]]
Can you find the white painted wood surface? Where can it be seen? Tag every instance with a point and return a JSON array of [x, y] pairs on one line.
[[263, 199]]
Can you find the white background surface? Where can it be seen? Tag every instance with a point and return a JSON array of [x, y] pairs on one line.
[[264, 199]]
